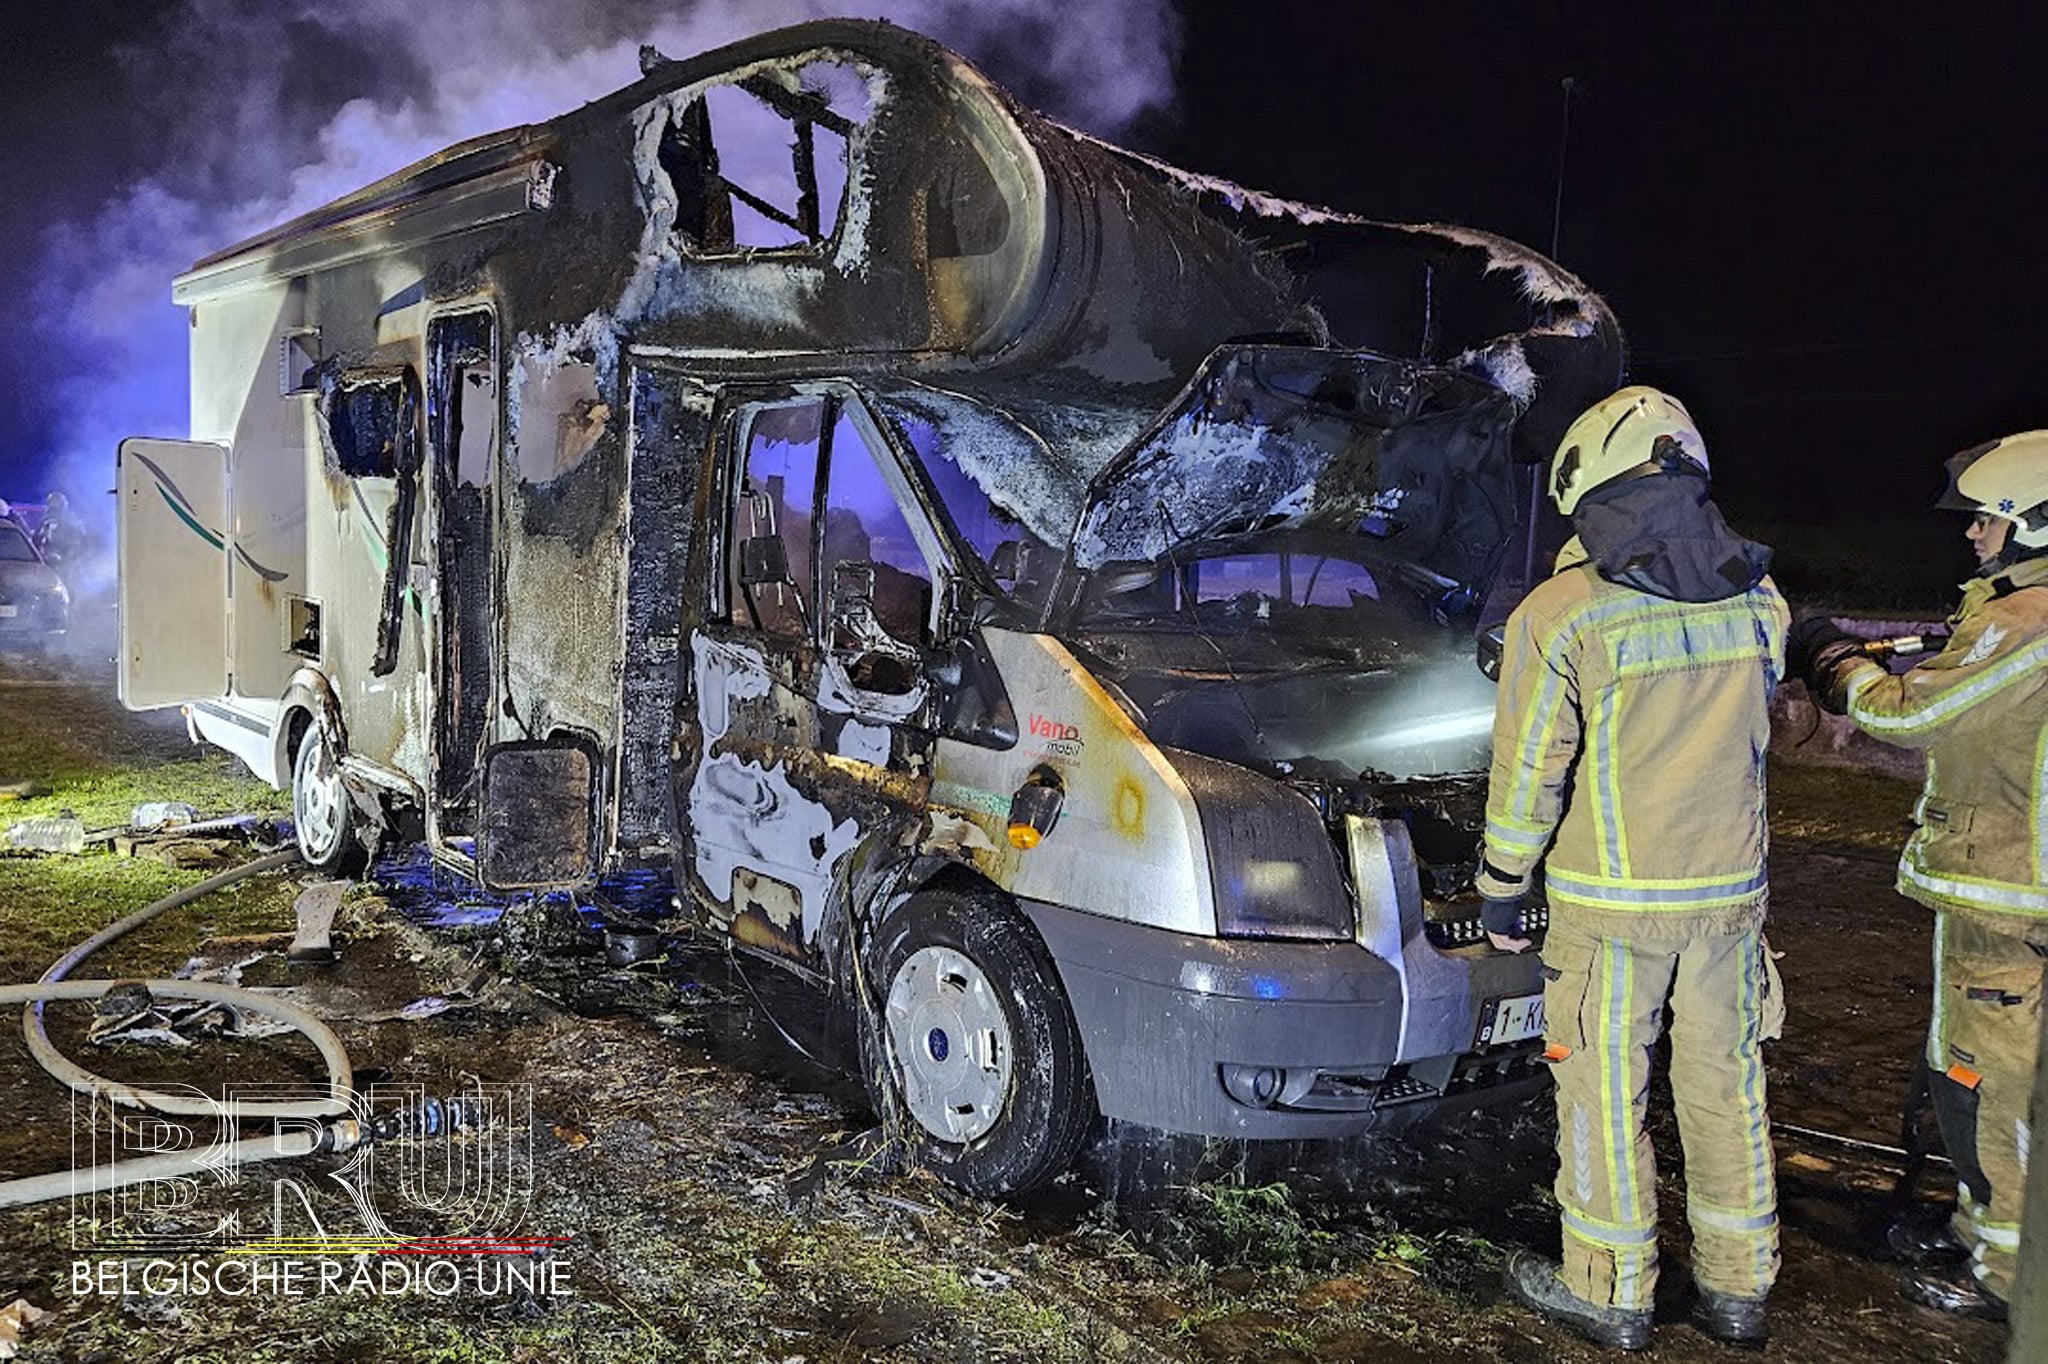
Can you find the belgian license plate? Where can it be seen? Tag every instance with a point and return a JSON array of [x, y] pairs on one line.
[[1515, 1019]]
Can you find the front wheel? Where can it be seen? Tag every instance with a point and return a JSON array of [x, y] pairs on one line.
[[978, 1046], [323, 815]]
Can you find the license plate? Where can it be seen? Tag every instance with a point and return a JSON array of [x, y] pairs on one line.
[[6, 612], [1515, 1019]]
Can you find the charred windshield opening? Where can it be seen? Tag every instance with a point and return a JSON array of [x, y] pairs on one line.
[[1320, 589], [1295, 653]]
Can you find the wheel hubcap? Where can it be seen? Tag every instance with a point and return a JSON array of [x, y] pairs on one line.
[[951, 1043], [318, 798]]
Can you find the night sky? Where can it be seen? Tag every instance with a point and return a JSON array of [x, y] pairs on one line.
[[1818, 226], [1823, 230]]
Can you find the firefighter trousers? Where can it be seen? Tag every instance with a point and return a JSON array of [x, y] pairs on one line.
[[1981, 1046], [1604, 1005]]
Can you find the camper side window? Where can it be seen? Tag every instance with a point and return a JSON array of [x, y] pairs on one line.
[[363, 425], [865, 529], [769, 553]]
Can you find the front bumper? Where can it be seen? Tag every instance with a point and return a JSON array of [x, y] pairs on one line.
[[1261, 1038]]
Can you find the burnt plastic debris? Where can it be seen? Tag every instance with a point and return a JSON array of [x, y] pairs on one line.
[[63, 833], [625, 946]]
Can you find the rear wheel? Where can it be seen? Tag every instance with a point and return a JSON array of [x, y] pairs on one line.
[[323, 815], [977, 1043]]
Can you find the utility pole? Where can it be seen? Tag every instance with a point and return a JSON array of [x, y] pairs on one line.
[[1570, 86]]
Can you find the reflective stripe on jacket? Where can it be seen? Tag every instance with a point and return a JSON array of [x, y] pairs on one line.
[[1980, 709], [1628, 742]]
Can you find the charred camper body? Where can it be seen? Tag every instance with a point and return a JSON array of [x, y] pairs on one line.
[[1025, 590]]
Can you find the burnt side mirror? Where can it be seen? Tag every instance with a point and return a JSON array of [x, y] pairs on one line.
[[1492, 643], [764, 562]]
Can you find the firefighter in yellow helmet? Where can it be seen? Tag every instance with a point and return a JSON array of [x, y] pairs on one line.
[[1980, 710], [1628, 747]]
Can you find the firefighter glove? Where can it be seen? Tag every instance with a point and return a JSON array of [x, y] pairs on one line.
[[1814, 647], [1501, 898], [1502, 916]]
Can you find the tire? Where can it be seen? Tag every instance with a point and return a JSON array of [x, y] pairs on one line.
[[324, 817], [976, 1043]]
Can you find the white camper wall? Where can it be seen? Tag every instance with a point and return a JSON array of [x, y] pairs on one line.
[[237, 401]]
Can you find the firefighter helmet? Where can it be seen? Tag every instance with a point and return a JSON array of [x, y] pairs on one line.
[[1630, 431], [2007, 477]]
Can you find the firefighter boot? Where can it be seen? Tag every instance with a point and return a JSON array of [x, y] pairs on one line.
[[1532, 1281], [1731, 1319], [1952, 1288], [1922, 1243]]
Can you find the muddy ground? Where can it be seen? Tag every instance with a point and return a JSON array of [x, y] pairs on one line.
[[721, 1197]]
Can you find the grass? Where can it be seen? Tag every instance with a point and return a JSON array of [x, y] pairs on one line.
[[212, 785], [679, 1255], [697, 1268], [1256, 1225]]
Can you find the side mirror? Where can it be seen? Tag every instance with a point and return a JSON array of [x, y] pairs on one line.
[[1492, 643], [764, 561]]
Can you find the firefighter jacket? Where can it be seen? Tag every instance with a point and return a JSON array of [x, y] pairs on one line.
[[1980, 709], [1629, 736]]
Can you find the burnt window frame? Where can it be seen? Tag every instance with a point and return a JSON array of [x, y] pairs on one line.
[[726, 604], [964, 559], [335, 393], [803, 112], [929, 525], [408, 453]]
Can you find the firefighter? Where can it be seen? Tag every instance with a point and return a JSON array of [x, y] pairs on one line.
[[58, 537], [1628, 749], [1980, 710]]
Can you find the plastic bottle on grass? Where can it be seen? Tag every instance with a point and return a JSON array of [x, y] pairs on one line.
[[158, 814], [52, 833]]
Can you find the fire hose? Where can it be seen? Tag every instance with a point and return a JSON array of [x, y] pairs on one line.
[[324, 1123]]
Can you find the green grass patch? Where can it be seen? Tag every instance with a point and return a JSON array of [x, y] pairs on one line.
[[48, 903], [213, 784], [1258, 1226]]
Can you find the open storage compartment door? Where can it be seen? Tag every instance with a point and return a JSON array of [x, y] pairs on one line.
[[172, 514]]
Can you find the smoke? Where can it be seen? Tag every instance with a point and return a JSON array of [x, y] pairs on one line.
[[257, 110]]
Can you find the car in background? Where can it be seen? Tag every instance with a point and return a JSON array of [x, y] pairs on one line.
[[34, 605]]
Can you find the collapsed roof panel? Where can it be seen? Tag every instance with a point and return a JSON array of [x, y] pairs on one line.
[[1275, 437], [845, 196]]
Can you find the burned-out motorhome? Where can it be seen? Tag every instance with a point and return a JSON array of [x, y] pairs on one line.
[[1023, 589]]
